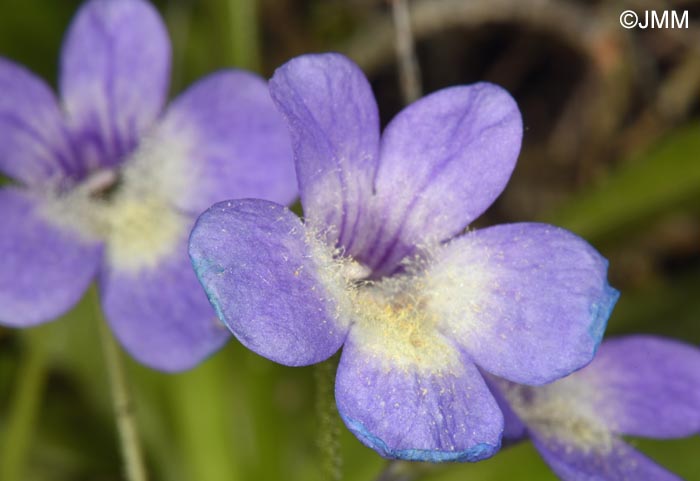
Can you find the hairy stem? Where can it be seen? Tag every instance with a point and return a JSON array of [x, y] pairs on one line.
[[328, 425]]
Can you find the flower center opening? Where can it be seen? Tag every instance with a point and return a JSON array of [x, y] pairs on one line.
[[124, 209], [394, 325], [391, 318]]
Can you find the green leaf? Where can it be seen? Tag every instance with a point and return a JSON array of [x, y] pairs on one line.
[[663, 178]]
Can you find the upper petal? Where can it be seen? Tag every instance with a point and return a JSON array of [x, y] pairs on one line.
[[615, 462], [221, 139], [115, 68], [333, 118], [647, 386], [159, 312], [33, 143], [444, 159], [44, 269], [269, 281], [528, 302], [403, 405]]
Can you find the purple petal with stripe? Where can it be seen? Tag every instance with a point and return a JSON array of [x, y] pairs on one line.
[[224, 139], [333, 118], [33, 143], [528, 302], [264, 275], [618, 462], [115, 68], [444, 159], [160, 314], [405, 412], [648, 386], [44, 269]]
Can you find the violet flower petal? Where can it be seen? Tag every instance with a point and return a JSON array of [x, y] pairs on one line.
[[619, 462], [115, 68], [647, 386], [32, 135], [224, 139], [444, 159], [514, 429], [528, 302], [261, 271], [160, 314], [334, 123], [44, 269], [404, 412]]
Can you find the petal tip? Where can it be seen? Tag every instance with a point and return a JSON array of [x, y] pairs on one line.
[[600, 313], [475, 453]]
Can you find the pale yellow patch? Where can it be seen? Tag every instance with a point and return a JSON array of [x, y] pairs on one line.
[[142, 231], [393, 326], [392, 323], [130, 211], [391, 319], [564, 411]]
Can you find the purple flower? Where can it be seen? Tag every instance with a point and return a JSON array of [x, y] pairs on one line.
[[110, 185], [637, 385], [380, 266]]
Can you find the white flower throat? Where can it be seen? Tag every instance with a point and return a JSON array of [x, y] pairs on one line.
[[391, 318], [126, 209]]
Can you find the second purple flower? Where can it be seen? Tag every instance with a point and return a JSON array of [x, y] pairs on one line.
[[109, 185]]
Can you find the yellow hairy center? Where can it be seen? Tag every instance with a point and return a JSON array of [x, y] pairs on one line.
[[395, 327], [391, 318]]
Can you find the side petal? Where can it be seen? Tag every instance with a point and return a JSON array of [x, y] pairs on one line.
[[616, 462], [159, 312], [33, 144], [647, 386], [269, 281], [221, 139], [332, 115], [528, 302], [44, 269], [444, 159], [404, 411], [115, 68]]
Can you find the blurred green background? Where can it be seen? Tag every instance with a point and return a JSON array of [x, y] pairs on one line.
[[612, 151]]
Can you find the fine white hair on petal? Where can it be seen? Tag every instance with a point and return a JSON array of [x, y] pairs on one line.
[[338, 274], [459, 293], [390, 322]]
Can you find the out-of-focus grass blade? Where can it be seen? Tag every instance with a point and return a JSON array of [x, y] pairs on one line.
[[202, 404], [669, 308], [31, 34], [76, 355], [665, 177]]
